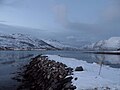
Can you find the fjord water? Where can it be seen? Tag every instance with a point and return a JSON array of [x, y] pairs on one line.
[[11, 61]]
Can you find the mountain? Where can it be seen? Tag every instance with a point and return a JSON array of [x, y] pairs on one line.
[[112, 43], [22, 42], [60, 45], [64, 37], [26, 42]]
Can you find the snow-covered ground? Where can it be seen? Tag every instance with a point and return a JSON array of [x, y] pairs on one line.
[[89, 79]]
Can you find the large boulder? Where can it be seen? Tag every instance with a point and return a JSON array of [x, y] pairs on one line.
[[80, 68]]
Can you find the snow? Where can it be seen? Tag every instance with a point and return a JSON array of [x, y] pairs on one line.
[[89, 78], [112, 43], [55, 43], [22, 41]]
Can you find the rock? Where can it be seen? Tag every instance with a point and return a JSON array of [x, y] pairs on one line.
[[44, 74], [80, 68], [118, 49], [70, 70], [76, 78]]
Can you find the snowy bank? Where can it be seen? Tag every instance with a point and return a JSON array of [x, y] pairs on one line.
[[109, 78]]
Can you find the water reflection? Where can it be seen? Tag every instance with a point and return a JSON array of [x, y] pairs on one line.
[[8, 62], [111, 60], [15, 55], [10, 57]]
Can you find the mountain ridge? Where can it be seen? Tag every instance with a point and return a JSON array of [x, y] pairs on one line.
[[26, 42]]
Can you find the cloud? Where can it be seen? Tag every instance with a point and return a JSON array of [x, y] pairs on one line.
[[70, 37], [110, 21], [10, 2], [1, 2], [2, 21], [112, 12], [60, 14], [79, 26], [6, 2]]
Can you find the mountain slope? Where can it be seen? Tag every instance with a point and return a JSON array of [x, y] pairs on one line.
[[59, 45], [22, 42], [25, 42], [112, 43]]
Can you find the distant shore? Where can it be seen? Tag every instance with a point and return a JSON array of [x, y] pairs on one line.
[[103, 52]]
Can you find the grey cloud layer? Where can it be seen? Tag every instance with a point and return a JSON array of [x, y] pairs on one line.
[[109, 23]]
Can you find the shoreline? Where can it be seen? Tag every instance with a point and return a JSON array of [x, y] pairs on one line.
[[92, 77], [94, 52], [104, 52]]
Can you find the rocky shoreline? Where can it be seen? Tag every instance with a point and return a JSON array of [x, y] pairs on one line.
[[44, 74]]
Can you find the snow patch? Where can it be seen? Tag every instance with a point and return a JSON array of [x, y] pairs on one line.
[[90, 79]]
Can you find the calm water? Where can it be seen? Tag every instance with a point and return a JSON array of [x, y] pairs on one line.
[[10, 61]]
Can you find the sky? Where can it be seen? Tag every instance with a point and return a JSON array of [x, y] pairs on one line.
[[71, 20]]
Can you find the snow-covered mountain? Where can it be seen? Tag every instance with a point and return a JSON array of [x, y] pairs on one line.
[[22, 42], [60, 45], [26, 42], [45, 34], [112, 43]]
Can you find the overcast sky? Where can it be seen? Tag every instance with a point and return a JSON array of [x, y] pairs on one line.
[[81, 19]]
